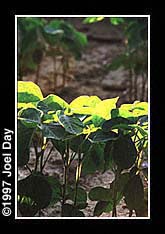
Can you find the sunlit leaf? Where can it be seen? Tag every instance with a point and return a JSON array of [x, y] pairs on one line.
[[28, 92], [103, 109]]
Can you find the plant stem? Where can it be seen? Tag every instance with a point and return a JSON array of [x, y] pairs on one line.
[[143, 87], [47, 158], [130, 213], [65, 161], [28, 168], [37, 156], [41, 160], [114, 212], [78, 171]]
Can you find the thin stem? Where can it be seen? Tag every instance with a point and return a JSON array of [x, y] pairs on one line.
[[130, 213], [47, 158], [37, 156], [143, 86], [114, 211], [65, 161], [78, 172], [28, 168], [136, 136]]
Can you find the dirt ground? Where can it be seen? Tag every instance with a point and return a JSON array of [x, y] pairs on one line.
[[88, 78]]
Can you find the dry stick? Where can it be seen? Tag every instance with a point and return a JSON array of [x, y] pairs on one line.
[[143, 86], [54, 73], [65, 59], [37, 73]]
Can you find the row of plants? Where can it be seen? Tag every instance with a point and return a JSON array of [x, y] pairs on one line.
[[39, 37], [97, 135], [134, 59]]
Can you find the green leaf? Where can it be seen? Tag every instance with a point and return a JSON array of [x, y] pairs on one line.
[[59, 145], [81, 201], [124, 152], [103, 109], [28, 92], [108, 160], [53, 131], [23, 146], [120, 183], [84, 104], [38, 189], [97, 120], [30, 117], [93, 159], [103, 206], [85, 101], [71, 211], [79, 142], [116, 20], [100, 193], [109, 124], [71, 124], [134, 193], [90, 20], [56, 189], [100, 136], [52, 103]]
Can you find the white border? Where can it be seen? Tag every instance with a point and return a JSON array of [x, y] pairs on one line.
[[110, 218]]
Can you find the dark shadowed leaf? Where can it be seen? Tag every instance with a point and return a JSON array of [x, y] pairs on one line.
[[30, 117], [71, 211], [79, 142], [124, 152], [59, 145], [56, 189], [93, 159], [72, 125], [109, 124], [103, 206], [108, 160], [100, 193], [53, 131], [24, 138], [81, 201], [38, 189], [134, 193], [100, 136]]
